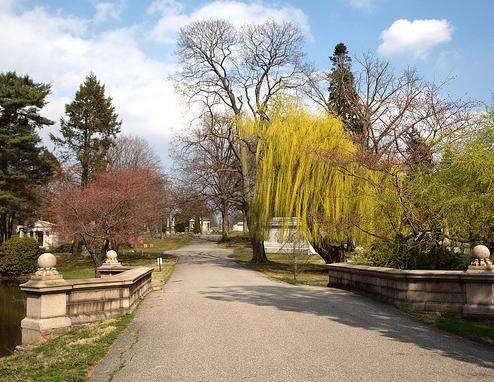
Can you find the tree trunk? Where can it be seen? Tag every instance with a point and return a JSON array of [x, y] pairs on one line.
[[330, 253], [258, 251], [76, 247], [224, 223]]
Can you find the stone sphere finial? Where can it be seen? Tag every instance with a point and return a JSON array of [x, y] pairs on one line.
[[482, 260], [112, 257], [481, 252], [46, 267], [47, 261]]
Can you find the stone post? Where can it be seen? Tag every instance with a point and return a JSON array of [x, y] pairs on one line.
[[46, 304], [111, 266], [482, 259], [479, 289]]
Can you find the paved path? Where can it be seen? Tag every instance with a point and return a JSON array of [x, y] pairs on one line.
[[217, 321]]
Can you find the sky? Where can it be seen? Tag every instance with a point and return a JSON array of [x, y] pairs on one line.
[[129, 45]]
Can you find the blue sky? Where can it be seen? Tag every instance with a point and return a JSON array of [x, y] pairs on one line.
[[129, 45]]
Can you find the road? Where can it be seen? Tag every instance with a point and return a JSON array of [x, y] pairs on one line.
[[217, 321]]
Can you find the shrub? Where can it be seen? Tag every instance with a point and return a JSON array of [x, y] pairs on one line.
[[19, 256], [427, 254]]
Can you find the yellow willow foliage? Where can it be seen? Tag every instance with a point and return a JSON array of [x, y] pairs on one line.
[[305, 169]]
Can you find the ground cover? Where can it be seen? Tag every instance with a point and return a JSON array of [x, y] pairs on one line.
[[143, 255], [480, 331], [297, 270], [67, 357]]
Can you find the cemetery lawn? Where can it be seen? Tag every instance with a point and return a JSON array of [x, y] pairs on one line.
[[82, 267], [67, 357], [475, 330], [311, 270]]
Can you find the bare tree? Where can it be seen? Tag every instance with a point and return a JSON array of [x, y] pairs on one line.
[[133, 153], [240, 70], [394, 106], [207, 165]]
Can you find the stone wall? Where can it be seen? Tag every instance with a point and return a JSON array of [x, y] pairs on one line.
[[457, 292], [54, 303], [97, 299]]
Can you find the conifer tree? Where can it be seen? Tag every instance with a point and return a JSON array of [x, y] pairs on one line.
[[89, 129], [343, 98], [24, 162]]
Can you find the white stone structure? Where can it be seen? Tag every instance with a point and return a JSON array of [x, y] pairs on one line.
[[239, 227], [284, 237], [170, 225], [204, 224], [43, 232]]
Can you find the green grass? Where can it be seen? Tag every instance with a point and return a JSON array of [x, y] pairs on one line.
[[311, 269], [67, 357], [476, 331], [235, 240], [83, 267]]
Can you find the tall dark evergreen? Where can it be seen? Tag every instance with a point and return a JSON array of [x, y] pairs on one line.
[[24, 162], [418, 152], [90, 126], [343, 99]]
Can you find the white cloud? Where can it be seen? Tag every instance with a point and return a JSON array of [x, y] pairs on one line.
[[54, 48], [7, 4], [173, 16], [416, 38], [106, 10]]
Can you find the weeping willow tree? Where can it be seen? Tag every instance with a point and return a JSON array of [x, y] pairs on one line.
[[306, 169]]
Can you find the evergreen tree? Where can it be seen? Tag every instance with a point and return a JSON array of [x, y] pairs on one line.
[[89, 129], [343, 98], [24, 162], [418, 152]]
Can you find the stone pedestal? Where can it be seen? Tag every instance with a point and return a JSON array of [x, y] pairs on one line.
[[46, 303], [111, 266]]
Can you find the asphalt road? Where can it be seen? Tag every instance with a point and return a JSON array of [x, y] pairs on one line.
[[217, 321]]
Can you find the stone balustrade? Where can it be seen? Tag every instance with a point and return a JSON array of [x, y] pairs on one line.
[[54, 303], [467, 293]]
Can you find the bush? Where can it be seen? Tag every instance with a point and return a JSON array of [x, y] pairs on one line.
[[18, 256], [427, 254]]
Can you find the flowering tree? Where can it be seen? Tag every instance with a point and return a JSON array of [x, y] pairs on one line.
[[113, 209]]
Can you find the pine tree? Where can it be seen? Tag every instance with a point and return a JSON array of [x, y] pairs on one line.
[[24, 162], [343, 97], [89, 129], [418, 153]]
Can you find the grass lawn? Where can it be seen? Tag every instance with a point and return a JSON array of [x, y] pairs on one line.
[[235, 240], [477, 331], [81, 267], [66, 357], [310, 269]]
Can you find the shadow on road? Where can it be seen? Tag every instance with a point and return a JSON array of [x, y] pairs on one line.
[[357, 311]]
